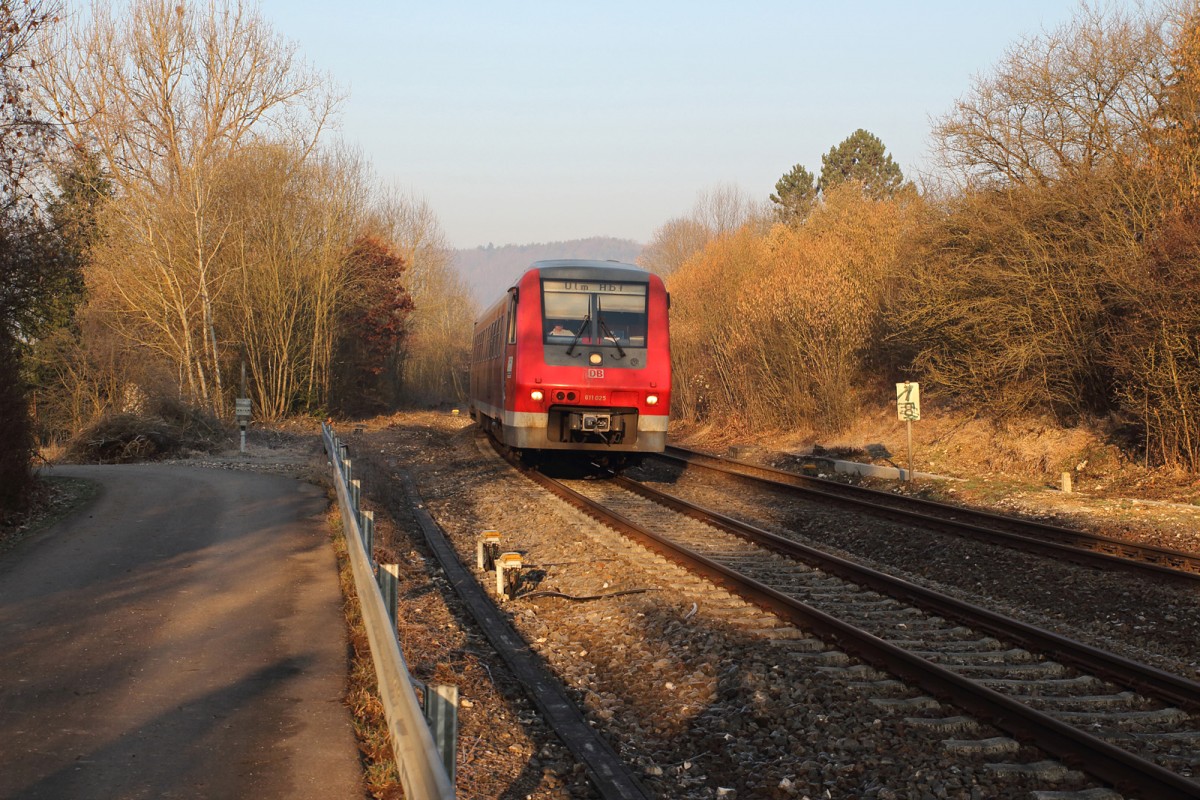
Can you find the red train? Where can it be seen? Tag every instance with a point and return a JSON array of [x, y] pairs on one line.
[[576, 356]]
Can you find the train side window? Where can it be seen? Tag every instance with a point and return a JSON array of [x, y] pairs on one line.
[[512, 319]]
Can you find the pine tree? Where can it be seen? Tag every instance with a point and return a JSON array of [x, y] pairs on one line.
[[795, 195], [861, 157]]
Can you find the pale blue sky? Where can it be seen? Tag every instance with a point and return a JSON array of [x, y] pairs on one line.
[[528, 122]]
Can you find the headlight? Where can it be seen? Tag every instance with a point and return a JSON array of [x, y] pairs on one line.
[[537, 395], [651, 399]]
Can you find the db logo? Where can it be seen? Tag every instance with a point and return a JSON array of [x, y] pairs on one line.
[[595, 373]]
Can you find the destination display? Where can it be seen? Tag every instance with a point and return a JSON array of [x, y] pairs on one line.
[[637, 289]]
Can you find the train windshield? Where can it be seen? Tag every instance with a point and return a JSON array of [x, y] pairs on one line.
[[594, 313]]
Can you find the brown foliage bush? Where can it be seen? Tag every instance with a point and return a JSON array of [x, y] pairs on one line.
[[1062, 278], [371, 327], [169, 426], [1011, 296], [777, 329], [708, 375]]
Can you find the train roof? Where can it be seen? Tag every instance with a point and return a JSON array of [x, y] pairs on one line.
[[581, 268]]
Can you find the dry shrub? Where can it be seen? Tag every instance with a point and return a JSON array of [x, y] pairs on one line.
[[805, 323], [1061, 280], [1012, 297], [82, 376], [709, 374], [1155, 351], [777, 329], [168, 427], [821, 295]]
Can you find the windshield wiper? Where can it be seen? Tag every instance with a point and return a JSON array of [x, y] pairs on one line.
[[586, 319], [605, 330]]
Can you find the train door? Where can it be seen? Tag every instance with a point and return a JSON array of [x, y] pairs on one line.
[[510, 352]]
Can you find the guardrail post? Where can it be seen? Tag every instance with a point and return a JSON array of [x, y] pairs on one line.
[[441, 710], [420, 761], [368, 534], [389, 587]]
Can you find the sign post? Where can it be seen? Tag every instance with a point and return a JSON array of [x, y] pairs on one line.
[[242, 410], [908, 410]]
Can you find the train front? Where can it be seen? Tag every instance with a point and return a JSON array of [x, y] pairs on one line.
[[593, 365]]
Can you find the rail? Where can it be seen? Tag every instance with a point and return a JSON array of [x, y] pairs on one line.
[[1081, 547], [423, 770], [1103, 759]]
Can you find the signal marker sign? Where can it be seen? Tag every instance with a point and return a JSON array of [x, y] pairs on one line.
[[908, 401]]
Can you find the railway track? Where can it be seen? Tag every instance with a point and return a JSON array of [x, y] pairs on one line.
[[1125, 723], [1080, 547]]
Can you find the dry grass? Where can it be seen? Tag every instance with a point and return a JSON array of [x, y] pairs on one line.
[[52, 453], [1027, 451], [381, 777]]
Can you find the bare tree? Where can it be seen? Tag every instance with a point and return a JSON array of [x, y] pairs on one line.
[[1062, 103], [294, 223], [725, 208], [440, 326], [673, 244], [165, 93], [719, 211]]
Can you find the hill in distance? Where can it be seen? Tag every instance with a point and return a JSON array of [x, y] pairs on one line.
[[490, 270]]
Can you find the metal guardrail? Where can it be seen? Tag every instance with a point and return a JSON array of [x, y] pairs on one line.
[[424, 771]]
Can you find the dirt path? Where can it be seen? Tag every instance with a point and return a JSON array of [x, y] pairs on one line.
[[181, 636]]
